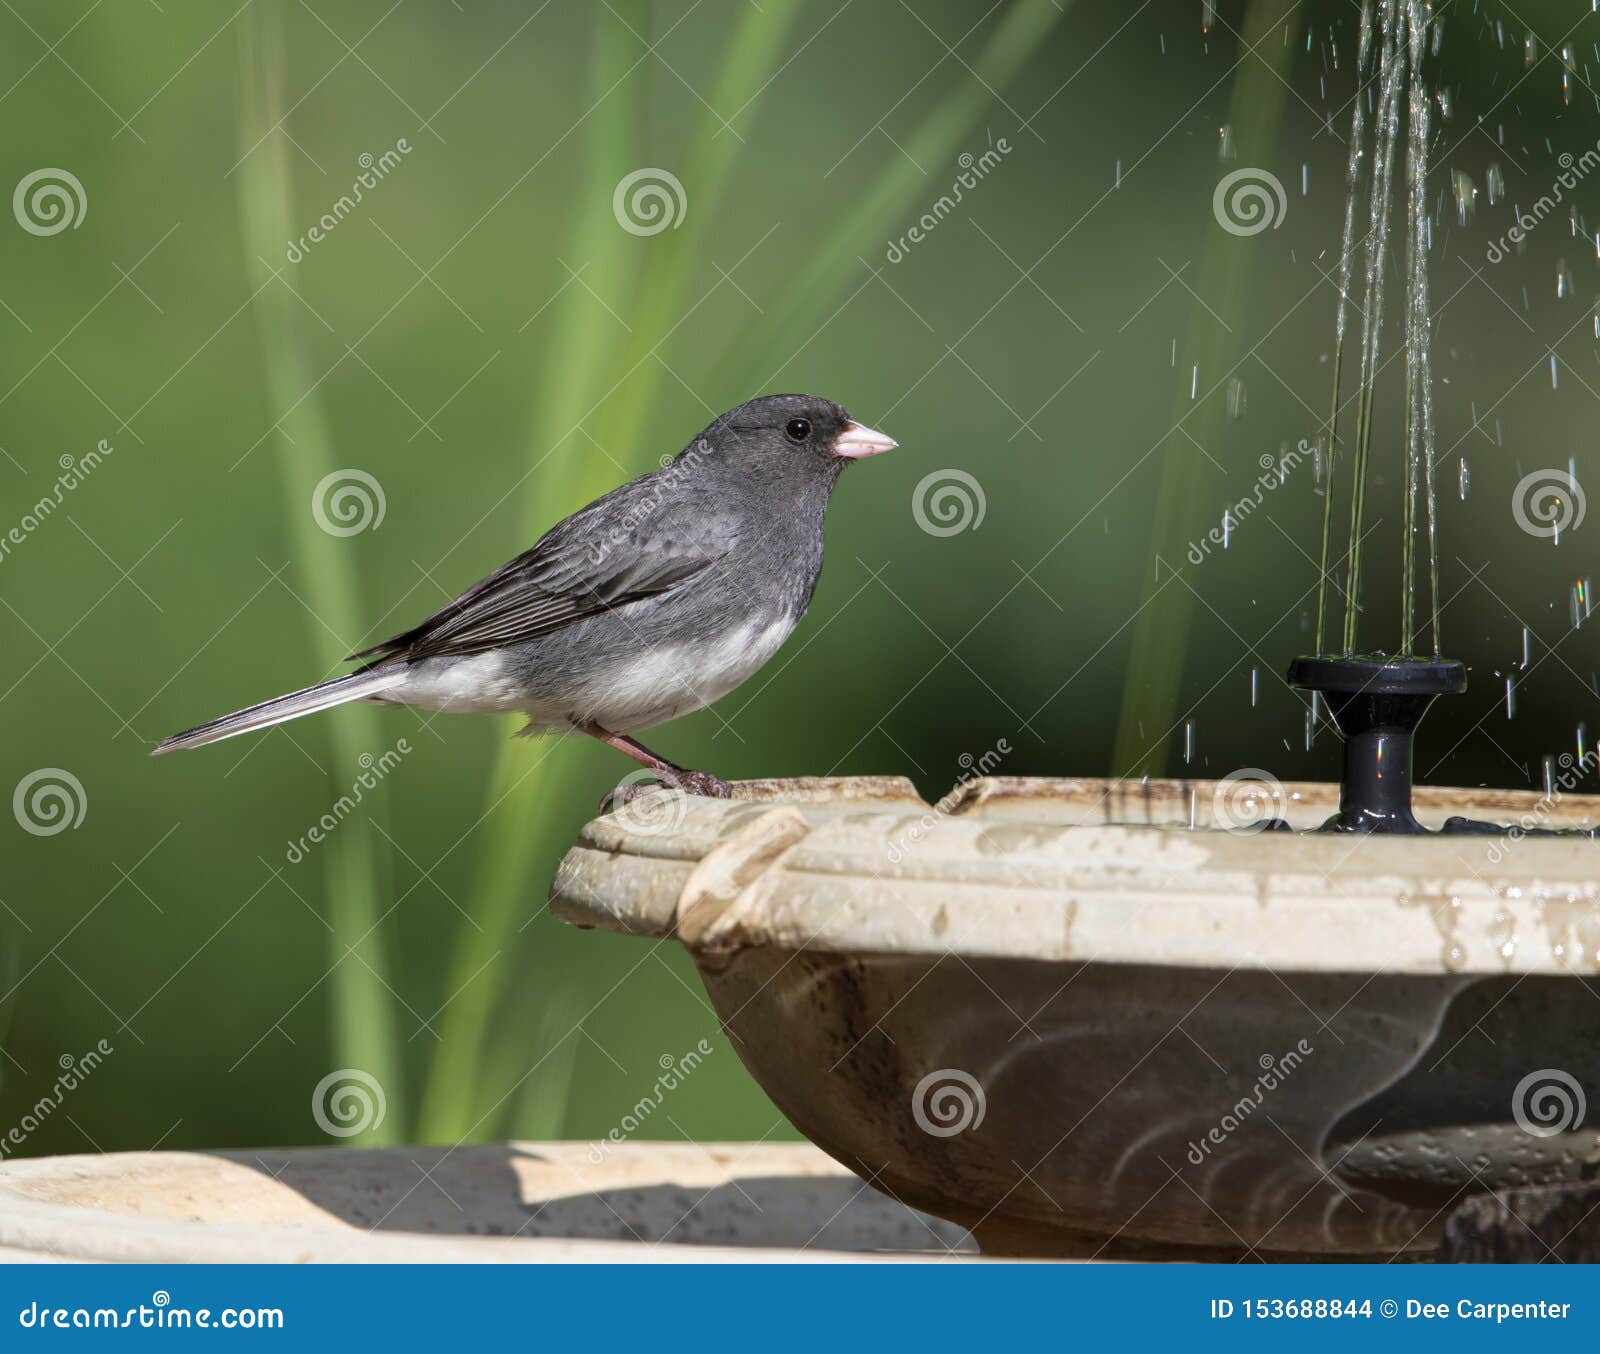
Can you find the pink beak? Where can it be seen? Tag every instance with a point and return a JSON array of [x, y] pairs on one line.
[[857, 441]]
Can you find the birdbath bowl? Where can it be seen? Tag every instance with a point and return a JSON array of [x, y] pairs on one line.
[[1082, 1018]]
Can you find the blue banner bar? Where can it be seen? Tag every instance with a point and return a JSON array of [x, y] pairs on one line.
[[815, 1308]]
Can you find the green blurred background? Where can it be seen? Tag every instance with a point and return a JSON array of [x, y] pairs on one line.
[[483, 338]]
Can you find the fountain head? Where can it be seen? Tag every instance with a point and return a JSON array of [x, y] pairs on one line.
[[1376, 702]]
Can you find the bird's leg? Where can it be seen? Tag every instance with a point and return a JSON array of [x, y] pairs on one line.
[[677, 777]]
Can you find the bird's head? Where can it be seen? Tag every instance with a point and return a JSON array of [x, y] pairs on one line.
[[778, 435]]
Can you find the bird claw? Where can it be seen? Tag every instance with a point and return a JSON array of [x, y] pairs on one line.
[[689, 782], [704, 783]]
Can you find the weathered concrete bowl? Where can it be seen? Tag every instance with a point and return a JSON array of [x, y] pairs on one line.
[[1079, 1017]]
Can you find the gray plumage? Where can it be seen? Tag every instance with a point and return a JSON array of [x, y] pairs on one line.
[[652, 602]]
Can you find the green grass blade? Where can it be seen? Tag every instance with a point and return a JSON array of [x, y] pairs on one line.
[[533, 792], [1183, 508], [814, 290], [530, 789], [356, 873]]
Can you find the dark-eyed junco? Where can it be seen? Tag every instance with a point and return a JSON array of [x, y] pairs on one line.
[[653, 601]]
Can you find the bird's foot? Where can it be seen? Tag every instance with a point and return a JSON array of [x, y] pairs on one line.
[[701, 783], [667, 778]]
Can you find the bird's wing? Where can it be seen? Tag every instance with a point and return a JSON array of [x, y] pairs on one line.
[[607, 556]]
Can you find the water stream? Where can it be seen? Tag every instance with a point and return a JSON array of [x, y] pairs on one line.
[[1394, 39]]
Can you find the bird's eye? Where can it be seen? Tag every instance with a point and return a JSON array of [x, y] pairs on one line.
[[799, 429]]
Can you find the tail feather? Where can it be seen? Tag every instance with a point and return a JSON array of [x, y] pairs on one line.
[[353, 686]]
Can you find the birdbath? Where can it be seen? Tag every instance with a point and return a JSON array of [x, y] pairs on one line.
[[1086, 1018], [1117, 1019]]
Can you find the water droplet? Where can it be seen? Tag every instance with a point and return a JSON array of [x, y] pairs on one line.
[[1564, 283], [1547, 768], [1236, 399], [1503, 934], [1465, 193], [1255, 687], [1225, 146], [1188, 742], [1494, 182], [1208, 15], [1530, 48], [1464, 479], [1511, 699]]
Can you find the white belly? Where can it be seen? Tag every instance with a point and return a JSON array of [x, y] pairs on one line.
[[624, 697], [677, 680]]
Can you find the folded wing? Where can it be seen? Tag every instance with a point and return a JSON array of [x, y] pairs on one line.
[[608, 556]]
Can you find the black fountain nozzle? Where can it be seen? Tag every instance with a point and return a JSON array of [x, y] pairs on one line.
[[1376, 702]]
